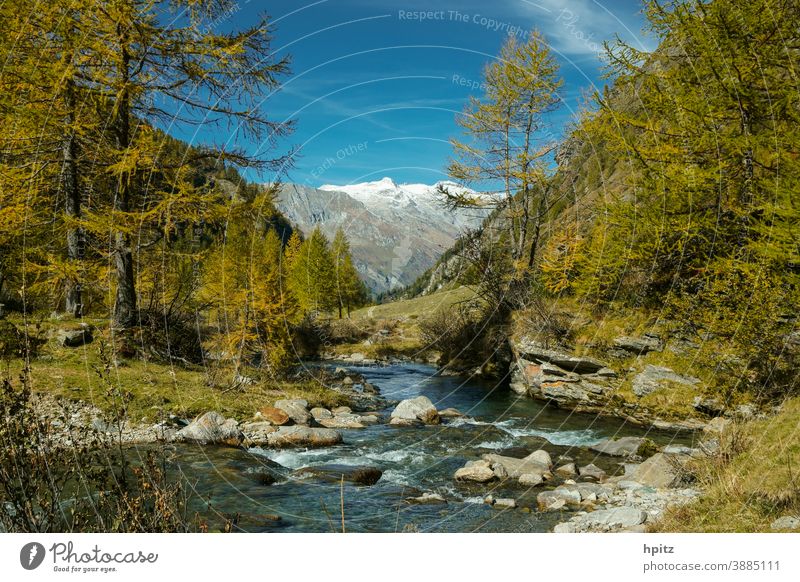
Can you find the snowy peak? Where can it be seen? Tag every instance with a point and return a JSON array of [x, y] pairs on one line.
[[396, 231]]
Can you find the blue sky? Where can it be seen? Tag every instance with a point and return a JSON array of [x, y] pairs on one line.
[[376, 86]]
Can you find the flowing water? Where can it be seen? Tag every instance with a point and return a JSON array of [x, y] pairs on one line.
[[413, 461]]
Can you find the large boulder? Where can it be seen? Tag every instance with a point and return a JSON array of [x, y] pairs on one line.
[[360, 475], [255, 433], [321, 413], [621, 447], [413, 410], [296, 409], [653, 378], [477, 471], [537, 463], [660, 470], [591, 471], [303, 436], [73, 338], [211, 428]]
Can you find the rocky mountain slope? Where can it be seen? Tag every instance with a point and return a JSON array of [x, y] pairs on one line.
[[396, 232]]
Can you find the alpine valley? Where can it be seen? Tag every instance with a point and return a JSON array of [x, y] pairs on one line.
[[396, 231]]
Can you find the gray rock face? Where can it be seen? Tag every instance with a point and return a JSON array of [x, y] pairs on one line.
[[621, 447], [419, 409], [639, 345], [653, 378], [296, 409], [211, 428], [303, 436], [531, 350], [477, 471]]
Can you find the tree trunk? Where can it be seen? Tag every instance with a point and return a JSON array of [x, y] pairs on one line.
[[74, 295], [125, 303], [537, 229]]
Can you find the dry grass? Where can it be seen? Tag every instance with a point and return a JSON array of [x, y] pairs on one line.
[[753, 480]]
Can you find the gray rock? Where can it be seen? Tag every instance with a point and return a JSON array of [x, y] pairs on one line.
[[211, 428], [708, 406], [296, 409], [255, 433], [450, 413], [591, 471], [639, 345], [565, 527], [419, 409], [342, 421], [537, 463], [567, 470], [504, 503], [427, 498], [615, 517], [303, 436], [478, 471], [320, 413], [76, 337], [621, 447], [660, 470], [532, 350], [653, 378], [531, 479], [790, 522], [558, 498], [717, 425], [342, 410]]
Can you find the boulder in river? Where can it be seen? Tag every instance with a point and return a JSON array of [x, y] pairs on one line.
[[413, 410], [273, 415], [450, 413], [361, 475], [211, 428], [537, 463], [426, 498], [296, 408], [303, 436], [321, 413], [567, 470], [342, 410], [558, 498], [342, 421], [591, 471], [255, 433], [621, 447], [478, 471], [532, 350]]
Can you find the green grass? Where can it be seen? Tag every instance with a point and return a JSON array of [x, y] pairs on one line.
[[754, 481], [154, 389], [418, 307]]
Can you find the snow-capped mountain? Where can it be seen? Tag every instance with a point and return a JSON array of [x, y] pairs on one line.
[[396, 231]]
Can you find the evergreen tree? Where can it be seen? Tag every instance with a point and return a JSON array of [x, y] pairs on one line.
[[350, 290]]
